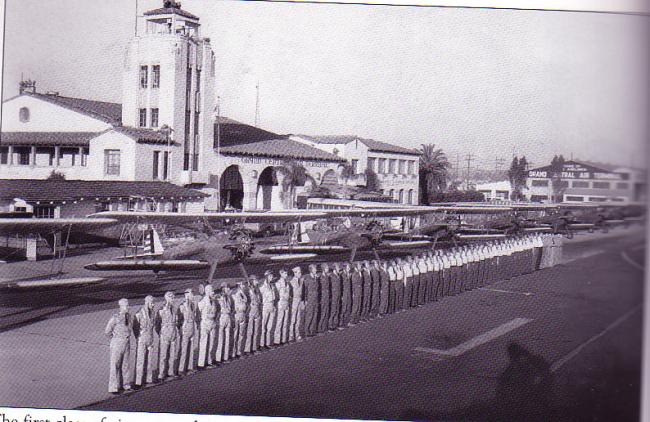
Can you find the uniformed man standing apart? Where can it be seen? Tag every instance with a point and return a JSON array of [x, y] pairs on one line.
[[240, 303], [118, 330], [284, 296], [335, 293], [346, 294], [187, 315], [208, 327], [384, 287], [357, 293], [168, 333], [324, 281], [311, 283], [269, 301], [254, 326], [297, 305], [225, 325]]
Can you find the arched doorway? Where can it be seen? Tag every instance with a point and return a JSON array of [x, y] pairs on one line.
[[231, 188], [329, 179], [401, 196], [268, 190]]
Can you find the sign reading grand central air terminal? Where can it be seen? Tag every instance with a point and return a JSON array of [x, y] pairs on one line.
[[279, 162], [574, 171]]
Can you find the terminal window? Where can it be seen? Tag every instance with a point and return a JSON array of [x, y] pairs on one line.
[[112, 162], [143, 117], [622, 185], [575, 198], [154, 117], [4, 155], [580, 184], [155, 70], [144, 76], [601, 185], [540, 183]]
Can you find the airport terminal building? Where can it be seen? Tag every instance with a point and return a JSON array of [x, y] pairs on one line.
[[582, 181], [165, 130]]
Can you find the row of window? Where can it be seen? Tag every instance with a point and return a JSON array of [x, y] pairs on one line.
[[409, 199], [155, 76], [582, 184], [157, 167], [592, 199], [68, 157], [395, 166], [153, 115]]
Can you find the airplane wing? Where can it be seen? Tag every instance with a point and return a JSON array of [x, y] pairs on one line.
[[42, 226], [173, 218]]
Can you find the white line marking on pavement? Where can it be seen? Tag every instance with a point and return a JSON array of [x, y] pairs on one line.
[[478, 340], [558, 364], [506, 291], [631, 261]]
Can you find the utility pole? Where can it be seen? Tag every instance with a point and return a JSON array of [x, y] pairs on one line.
[[469, 158], [219, 158], [257, 103]]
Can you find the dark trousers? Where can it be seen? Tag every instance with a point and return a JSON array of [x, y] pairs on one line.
[[311, 318], [399, 295]]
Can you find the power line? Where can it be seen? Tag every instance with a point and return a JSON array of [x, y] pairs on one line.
[[469, 158]]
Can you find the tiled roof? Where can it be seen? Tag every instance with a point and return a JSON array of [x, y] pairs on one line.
[[105, 111], [280, 148], [143, 135], [384, 147], [169, 11], [47, 138], [370, 143], [71, 190]]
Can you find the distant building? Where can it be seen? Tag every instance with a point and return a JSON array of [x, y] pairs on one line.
[[396, 167], [582, 181], [495, 191]]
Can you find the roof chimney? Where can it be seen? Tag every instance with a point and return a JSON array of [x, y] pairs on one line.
[[27, 86]]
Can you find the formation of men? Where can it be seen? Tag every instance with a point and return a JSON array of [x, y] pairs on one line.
[[257, 314]]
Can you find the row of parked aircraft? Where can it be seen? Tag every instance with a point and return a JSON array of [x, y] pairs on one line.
[[221, 238]]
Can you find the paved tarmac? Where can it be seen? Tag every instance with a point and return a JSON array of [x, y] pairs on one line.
[[438, 361], [448, 360]]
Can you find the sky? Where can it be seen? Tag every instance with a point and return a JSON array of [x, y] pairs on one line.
[[485, 82]]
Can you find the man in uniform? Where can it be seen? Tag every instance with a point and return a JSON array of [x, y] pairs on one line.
[[269, 299], [254, 328], [225, 325], [416, 280], [208, 328], [424, 279], [143, 326], [408, 282], [187, 315], [346, 293], [284, 296], [356, 279], [375, 276], [335, 293], [310, 282], [392, 286], [384, 287], [240, 327], [167, 327], [367, 290], [297, 305], [118, 330], [400, 282], [324, 282]]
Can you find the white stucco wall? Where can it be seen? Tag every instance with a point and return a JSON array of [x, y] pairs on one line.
[[46, 117]]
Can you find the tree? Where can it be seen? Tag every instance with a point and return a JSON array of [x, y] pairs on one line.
[[55, 175], [372, 180], [557, 184], [434, 171], [347, 172], [517, 176], [295, 175]]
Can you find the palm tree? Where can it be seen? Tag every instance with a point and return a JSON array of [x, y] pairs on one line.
[[347, 171], [295, 175], [434, 169]]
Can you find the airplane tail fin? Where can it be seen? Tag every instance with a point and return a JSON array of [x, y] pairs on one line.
[[152, 243]]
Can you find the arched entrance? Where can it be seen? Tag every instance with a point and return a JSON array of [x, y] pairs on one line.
[[231, 188], [329, 179], [268, 191]]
